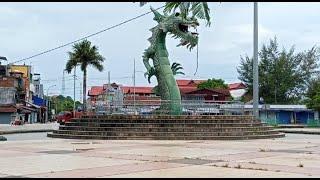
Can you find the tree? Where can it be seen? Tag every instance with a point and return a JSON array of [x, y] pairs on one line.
[[61, 103], [283, 75], [199, 10], [84, 55], [313, 95], [212, 84]]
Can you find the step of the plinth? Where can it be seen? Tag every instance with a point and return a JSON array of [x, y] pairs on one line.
[[165, 129], [278, 135]]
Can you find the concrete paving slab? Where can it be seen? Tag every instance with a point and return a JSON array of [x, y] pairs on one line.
[[204, 172], [309, 171], [45, 163], [139, 158], [108, 170]]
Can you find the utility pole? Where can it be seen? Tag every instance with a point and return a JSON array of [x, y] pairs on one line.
[[63, 84], [74, 92], [80, 99], [47, 113], [107, 98], [255, 62], [134, 85], [108, 86]]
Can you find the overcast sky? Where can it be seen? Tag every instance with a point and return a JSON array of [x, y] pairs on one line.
[[29, 28]]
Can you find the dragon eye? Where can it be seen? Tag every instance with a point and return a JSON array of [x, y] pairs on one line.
[[177, 14]]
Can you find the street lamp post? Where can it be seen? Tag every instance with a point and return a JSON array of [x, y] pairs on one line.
[[134, 85], [48, 102], [255, 62], [74, 92]]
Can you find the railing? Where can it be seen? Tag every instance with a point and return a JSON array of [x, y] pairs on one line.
[[188, 107], [313, 123], [270, 121]]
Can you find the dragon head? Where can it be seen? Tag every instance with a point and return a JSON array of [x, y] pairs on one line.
[[179, 27]]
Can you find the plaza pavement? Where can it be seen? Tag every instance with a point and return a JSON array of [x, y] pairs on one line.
[[292, 156], [300, 130], [36, 127]]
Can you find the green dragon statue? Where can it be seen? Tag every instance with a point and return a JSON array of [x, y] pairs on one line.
[[157, 51]]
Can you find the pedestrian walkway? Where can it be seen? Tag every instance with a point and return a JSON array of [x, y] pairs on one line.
[[295, 155], [300, 130], [37, 127]]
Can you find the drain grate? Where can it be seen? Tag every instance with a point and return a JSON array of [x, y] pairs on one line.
[[193, 161], [58, 152]]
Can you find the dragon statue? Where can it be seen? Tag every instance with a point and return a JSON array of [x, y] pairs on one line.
[[179, 27]]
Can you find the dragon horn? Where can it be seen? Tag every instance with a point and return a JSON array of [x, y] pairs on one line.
[[157, 15]]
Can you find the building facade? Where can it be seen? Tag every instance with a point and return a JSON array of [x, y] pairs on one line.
[[17, 95], [284, 114]]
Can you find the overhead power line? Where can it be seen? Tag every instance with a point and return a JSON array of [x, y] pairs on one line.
[[114, 26]]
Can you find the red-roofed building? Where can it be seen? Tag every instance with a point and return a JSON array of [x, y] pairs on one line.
[[143, 95], [188, 83], [235, 86], [95, 91], [237, 90], [138, 90], [188, 90]]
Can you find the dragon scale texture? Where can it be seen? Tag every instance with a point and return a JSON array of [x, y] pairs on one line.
[[157, 51]]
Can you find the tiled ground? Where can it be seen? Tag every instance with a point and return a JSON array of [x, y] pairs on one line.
[[292, 156], [29, 127]]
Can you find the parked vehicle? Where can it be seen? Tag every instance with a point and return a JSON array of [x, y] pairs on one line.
[[64, 117]]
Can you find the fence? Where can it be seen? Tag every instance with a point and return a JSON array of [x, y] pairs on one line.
[[188, 107], [313, 123], [269, 121]]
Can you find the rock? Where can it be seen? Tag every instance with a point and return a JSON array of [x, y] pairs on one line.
[[2, 138]]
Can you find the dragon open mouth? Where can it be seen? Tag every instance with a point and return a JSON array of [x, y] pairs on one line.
[[185, 28]]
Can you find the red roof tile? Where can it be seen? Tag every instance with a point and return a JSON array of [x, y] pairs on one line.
[[236, 86], [185, 82], [190, 90], [95, 90], [138, 90], [187, 89]]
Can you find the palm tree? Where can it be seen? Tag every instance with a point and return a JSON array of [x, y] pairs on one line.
[[84, 55], [198, 9], [175, 67]]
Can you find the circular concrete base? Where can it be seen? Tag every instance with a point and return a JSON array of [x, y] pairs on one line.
[[2, 138], [166, 127]]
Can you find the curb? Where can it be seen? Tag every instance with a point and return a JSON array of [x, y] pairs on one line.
[[25, 131], [300, 132]]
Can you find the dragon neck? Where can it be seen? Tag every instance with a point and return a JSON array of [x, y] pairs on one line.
[[158, 39]]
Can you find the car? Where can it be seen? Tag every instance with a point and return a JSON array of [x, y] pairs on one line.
[[64, 117]]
